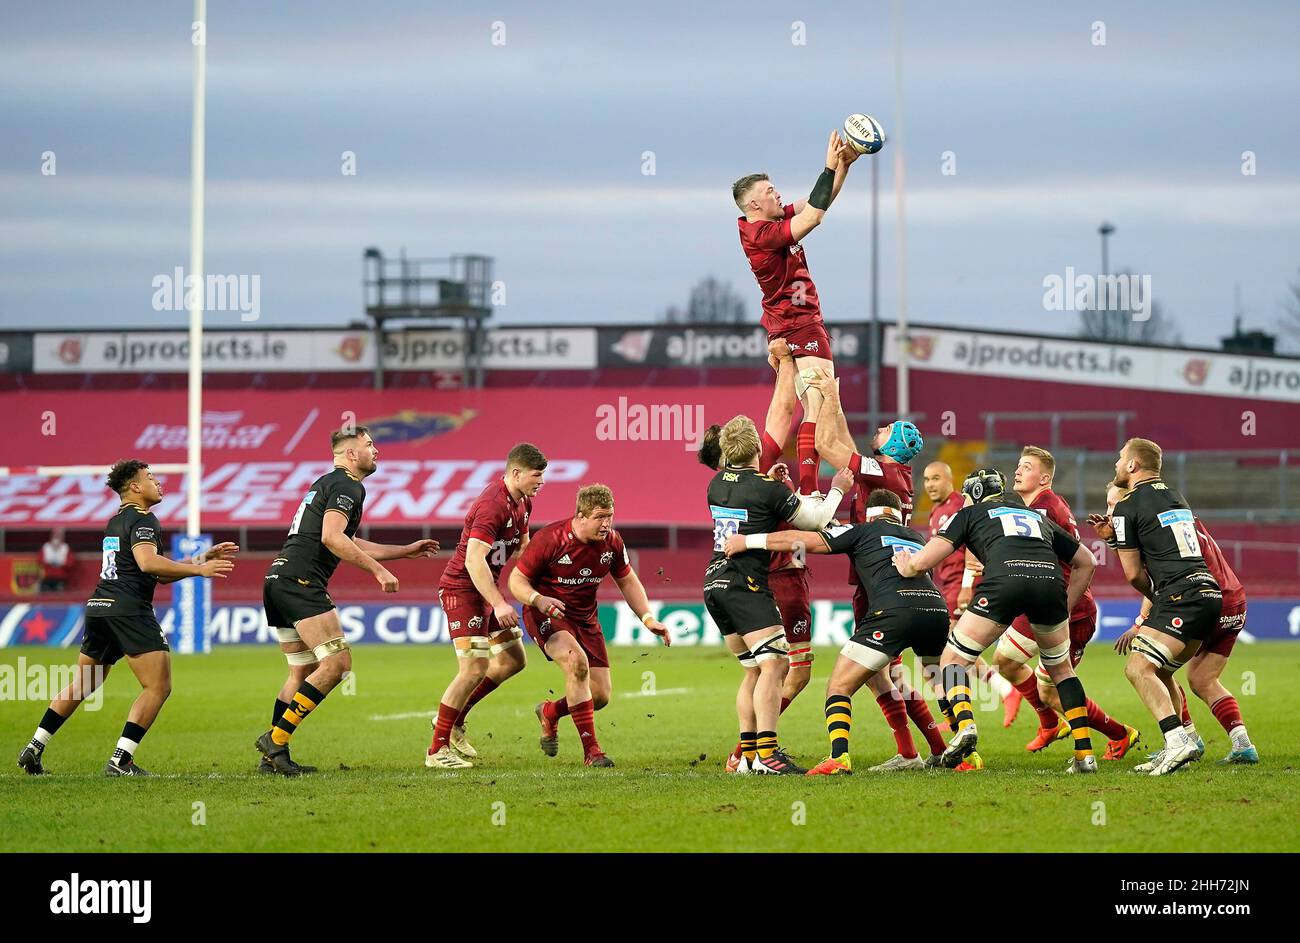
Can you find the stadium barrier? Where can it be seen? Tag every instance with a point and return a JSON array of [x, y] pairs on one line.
[[60, 624]]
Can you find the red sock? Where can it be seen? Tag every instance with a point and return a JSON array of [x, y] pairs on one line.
[[1227, 713], [555, 709], [1029, 690], [809, 460], [442, 729], [896, 716], [738, 751], [785, 702], [1186, 714], [584, 718], [919, 711], [771, 453], [485, 687], [1099, 720]]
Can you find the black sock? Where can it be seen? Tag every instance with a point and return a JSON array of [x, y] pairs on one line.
[[1172, 722], [280, 708], [132, 734], [51, 722]]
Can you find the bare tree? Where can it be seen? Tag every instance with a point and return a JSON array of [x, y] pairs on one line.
[[1119, 326], [711, 302], [1289, 323]]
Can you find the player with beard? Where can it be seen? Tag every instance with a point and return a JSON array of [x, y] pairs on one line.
[[736, 591], [295, 593], [120, 619], [1159, 548], [1033, 482], [556, 580], [1019, 548], [483, 626], [1206, 666], [770, 235]]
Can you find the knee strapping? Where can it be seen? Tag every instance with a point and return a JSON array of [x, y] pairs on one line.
[[1054, 654], [301, 658], [964, 643], [775, 646], [478, 647], [330, 647], [1156, 653]]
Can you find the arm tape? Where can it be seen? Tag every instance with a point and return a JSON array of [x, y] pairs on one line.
[[820, 197]]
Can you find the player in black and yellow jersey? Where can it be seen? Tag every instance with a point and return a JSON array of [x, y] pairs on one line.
[[295, 592], [1019, 548], [1154, 535], [120, 619], [905, 612], [743, 501]]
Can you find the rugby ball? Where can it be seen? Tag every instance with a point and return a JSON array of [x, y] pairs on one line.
[[864, 133]]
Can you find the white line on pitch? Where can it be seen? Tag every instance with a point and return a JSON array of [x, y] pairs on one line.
[[407, 716], [655, 693]]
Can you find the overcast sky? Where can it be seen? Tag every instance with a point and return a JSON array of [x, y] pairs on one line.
[[531, 152]]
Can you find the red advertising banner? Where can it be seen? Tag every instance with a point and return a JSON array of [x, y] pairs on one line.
[[438, 449]]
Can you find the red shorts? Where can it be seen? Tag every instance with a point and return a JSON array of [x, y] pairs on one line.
[[792, 594], [810, 340], [588, 635], [1231, 621], [468, 613]]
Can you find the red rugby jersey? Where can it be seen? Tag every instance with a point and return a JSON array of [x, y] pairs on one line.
[[1055, 507], [558, 564], [494, 518], [951, 567], [789, 296], [1234, 594]]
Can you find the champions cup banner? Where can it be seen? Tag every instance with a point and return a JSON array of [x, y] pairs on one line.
[[426, 624], [1061, 360], [508, 348], [703, 345], [437, 451]]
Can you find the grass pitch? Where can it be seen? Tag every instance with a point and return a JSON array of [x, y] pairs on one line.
[[668, 792]]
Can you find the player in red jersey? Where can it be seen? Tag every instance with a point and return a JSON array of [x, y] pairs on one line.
[[947, 501], [483, 625], [556, 580], [770, 234], [1017, 647], [1206, 666], [893, 446]]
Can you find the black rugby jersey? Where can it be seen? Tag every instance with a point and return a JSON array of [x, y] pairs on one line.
[[304, 556], [124, 589]]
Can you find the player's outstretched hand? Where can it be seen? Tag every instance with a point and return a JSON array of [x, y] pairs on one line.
[[387, 581], [549, 606], [1125, 642], [659, 629], [903, 563], [847, 153], [1101, 523], [421, 548], [833, 151], [222, 551], [779, 472], [843, 480], [507, 618], [215, 569], [735, 545]]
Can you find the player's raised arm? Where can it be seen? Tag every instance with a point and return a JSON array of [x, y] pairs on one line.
[[634, 594], [824, 191], [834, 441], [150, 561], [778, 541], [345, 548], [815, 513], [480, 573]]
